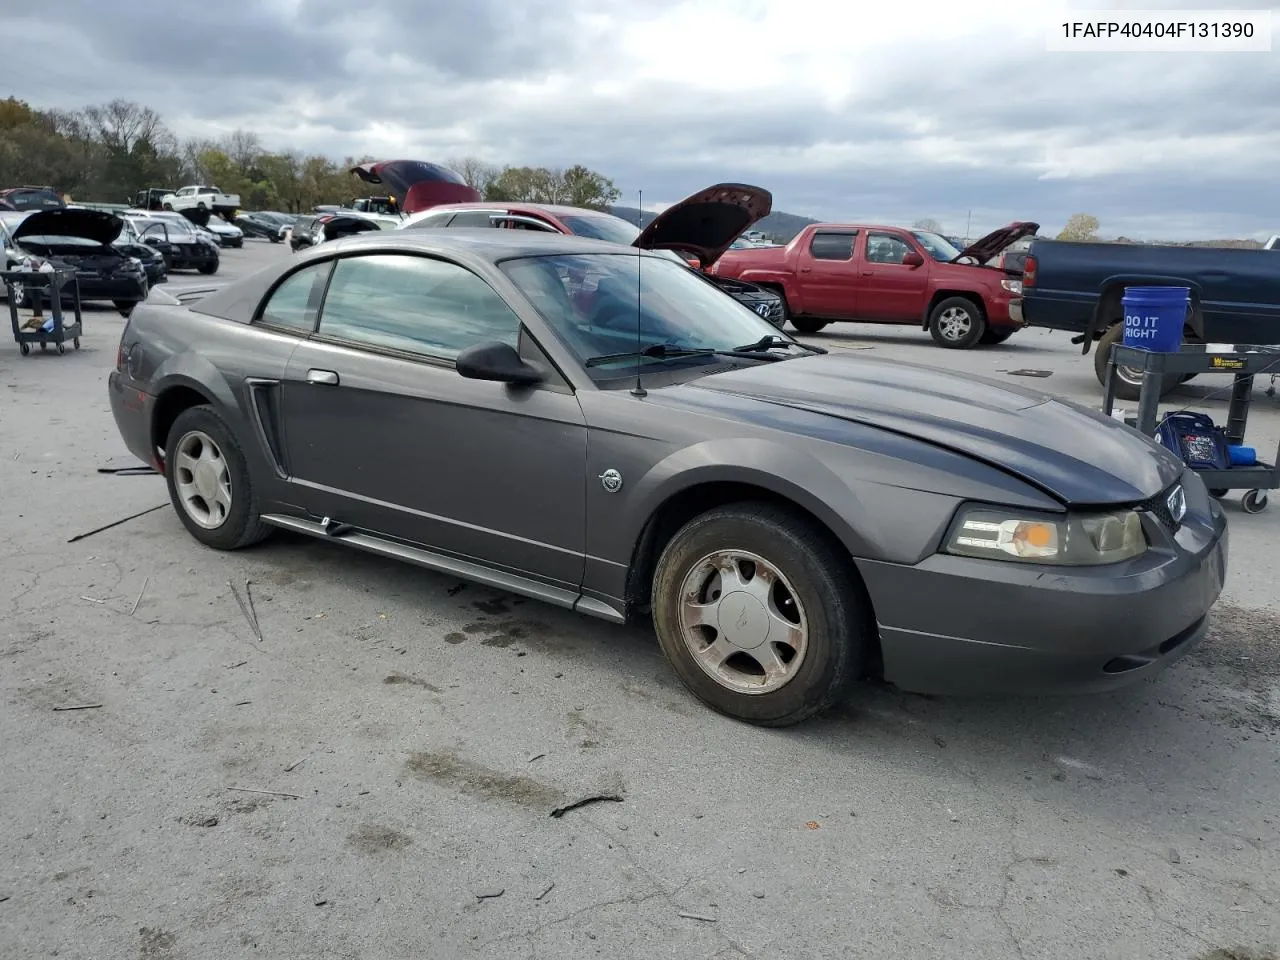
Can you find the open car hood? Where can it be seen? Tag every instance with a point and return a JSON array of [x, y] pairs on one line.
[[706, 223], [96, 225], [416, 184], [984, 248]]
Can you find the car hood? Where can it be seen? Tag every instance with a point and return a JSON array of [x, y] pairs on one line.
[[706, 223], [418, 185], [984, 248], [1078, 456], [96, 225]]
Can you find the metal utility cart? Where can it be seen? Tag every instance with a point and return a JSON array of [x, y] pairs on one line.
[[39, 284], [1244, 363]]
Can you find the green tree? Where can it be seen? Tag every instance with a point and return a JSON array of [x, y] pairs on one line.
[[1080, 227]]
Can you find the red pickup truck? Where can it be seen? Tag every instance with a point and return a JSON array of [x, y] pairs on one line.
[[832, 272]]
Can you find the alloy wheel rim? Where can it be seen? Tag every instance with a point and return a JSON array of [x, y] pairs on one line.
[[954, 323], [203, 480], [742, 622]]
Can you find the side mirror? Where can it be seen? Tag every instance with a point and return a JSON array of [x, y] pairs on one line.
[[496, 361], [912, 259]]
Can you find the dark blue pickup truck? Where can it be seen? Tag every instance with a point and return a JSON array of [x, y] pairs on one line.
[[1235, 294]]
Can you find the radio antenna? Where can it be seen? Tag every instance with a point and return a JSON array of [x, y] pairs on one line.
[[638, 390]]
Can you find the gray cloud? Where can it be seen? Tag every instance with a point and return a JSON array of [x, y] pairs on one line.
[[1154, 145]]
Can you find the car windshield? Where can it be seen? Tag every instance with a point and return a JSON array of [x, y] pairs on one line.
[[601, 227], [590, 300], [938, 247], [56, 240]]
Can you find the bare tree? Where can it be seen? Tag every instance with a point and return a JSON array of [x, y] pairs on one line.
[[478, 174], [243, 148], [122, 124], [928, 223]]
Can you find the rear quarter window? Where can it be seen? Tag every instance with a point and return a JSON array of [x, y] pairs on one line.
[[293, 305], [832, 246]]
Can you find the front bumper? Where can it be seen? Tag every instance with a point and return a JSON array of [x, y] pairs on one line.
[[132, 288], [991, 626]]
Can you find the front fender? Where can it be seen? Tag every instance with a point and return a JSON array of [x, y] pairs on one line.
[[783, 470], [769, 278]]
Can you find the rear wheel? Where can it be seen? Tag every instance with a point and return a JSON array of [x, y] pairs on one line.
[[957, 323], [1128, 379], [124, 307], [209, 267], [760, 616], [209, 482], [808, 324]]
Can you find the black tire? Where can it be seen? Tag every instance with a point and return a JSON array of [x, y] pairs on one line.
[[124, 307], [209, 268], [24, 349], [992, 336], [62, 348], [1128, 384], [1254, 501], [957, 323], [242, 526], [1218, 492], [168, 206], [275, 239], [808, 324], [825, 586]]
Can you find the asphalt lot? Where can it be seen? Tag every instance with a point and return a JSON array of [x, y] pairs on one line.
[[357, 783]]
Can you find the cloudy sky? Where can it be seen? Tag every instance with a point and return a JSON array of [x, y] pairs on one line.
[[867, 110]]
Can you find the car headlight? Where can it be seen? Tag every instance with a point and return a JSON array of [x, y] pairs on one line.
[[1013, 286], [133, 263], [1074, 540]]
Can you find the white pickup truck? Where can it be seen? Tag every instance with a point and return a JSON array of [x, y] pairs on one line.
[[202, 199]]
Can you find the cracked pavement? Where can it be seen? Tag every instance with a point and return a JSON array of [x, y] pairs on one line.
[[350, 785]]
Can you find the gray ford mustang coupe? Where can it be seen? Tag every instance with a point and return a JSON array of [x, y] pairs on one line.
[[602, 430]]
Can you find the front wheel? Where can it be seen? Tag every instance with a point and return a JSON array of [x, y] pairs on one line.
[[957, 323], [808, 324], [760, 616], [993, 336], [1128, 379], [208, 268], [209, 482]]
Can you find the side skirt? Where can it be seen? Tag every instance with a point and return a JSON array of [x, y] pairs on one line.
[[440, 563]]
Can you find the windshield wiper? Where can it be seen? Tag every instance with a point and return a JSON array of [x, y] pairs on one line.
[[661, 351], [771, 340]]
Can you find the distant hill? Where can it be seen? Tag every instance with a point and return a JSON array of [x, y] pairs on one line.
[[777, 226]]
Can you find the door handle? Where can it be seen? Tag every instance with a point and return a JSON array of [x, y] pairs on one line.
[[326, 377], [806, 269]]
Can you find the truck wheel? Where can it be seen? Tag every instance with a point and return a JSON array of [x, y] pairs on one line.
[[957, 323], [808, 324], [1128, 380], [993, 336]]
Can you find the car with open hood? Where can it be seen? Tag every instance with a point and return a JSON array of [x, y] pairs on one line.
[[416, 185], [790, 519], [84, 241], [831, 272], [697, 230]]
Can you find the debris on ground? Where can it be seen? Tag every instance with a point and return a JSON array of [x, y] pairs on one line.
[[559, 812], [1027, 373], [294, 766], [116, 523], [246, 607], [79, 706], [697, 916], [545, 891], [489, 893], [141, 591], [268, 793]]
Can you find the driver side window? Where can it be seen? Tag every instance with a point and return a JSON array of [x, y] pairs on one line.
[[885, 248], [417, 305]]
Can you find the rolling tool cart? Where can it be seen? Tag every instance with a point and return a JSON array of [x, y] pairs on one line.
[[1244, 363], [36, 284]]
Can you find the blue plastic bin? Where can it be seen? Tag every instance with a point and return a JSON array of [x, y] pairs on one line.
[[1242, 456], [1154, 317]]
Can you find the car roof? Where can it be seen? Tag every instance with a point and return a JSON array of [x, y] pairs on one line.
[[479, 247], [555, 209]]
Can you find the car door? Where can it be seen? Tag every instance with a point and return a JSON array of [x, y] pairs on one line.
[[889, 290], [827, 276], [381, 431]]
